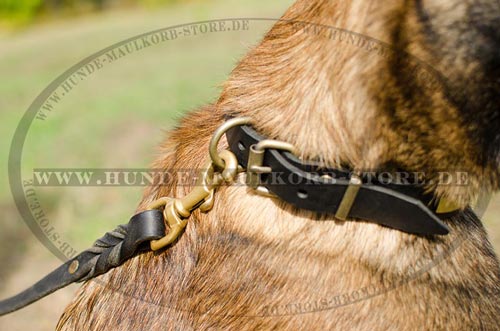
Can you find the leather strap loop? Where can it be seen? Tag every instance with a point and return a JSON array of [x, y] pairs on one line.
[[110, 251]]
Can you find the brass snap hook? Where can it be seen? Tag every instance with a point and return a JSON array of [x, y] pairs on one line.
[[177, 211], [175, 224]]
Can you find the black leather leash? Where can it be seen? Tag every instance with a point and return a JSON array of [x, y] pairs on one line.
[[110, 251], [306, 185]]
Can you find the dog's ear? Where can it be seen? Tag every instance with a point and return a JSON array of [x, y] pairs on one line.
[[462, 40], [442, 89]]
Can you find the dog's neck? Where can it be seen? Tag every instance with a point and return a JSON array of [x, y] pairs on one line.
[[320, 89], [299, 90]]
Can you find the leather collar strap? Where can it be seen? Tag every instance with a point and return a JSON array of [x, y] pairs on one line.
[[306, 185], [108, 252]]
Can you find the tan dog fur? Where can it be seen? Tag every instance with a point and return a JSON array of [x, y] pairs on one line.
[[255, 263]]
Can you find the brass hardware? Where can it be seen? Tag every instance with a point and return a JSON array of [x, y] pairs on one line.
[[217, 160], [254, 167], [328, 178], [264, 191], [349, 196], [175, 223], [445, 206], [256, 159], [176, 212], [73, 267], [208, 204], [201, 191], [159, 203]]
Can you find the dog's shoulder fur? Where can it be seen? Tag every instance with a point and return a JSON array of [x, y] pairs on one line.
[[240, 262], [255, 263]]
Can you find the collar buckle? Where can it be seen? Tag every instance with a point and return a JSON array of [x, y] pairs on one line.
[[255, 166]]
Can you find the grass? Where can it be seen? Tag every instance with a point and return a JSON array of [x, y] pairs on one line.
[[115, 118]]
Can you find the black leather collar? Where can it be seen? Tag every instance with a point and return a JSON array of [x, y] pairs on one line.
[[305, 185]]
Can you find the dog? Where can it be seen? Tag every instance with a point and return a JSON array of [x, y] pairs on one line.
[[258, 263]]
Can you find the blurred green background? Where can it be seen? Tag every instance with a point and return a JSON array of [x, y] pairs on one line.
[[116, 118], [16, 13]]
